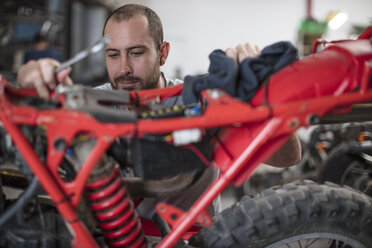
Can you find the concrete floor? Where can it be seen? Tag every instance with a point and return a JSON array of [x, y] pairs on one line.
[[229, 197]]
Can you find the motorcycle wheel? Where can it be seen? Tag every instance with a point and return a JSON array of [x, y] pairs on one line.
[[300, 214], [346, 166]]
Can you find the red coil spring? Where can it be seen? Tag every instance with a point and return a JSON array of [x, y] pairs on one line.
[[114, 209]]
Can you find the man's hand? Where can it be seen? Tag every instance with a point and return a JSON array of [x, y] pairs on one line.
[[39, 75], [242, 51], [290, 153]]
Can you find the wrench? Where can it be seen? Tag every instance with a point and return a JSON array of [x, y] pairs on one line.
[[96, 47]]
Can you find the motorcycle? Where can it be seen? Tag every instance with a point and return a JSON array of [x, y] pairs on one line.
[[338, 153], [77, 148], [349, 162]]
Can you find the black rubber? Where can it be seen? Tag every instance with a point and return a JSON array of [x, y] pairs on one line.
[[341, 157], [299, 209]]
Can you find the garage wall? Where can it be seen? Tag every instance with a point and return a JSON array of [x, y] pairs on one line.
[[195, 28]]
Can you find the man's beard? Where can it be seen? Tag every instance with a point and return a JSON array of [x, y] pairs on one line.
[[128, 79], [138, 83]]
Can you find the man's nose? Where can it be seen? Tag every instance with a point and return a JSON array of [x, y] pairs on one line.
[[125, 66]]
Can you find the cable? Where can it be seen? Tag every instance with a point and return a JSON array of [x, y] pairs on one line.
[[21, 201], [199, 154]]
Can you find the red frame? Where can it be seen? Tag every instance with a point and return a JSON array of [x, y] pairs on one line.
[[329, 81]]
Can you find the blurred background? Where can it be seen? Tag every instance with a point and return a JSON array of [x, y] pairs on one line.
[[193, 28]]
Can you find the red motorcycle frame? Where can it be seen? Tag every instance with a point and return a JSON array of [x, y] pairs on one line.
[[330, 81]]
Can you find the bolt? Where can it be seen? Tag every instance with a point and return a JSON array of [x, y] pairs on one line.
[[294, 123], [173, 216]]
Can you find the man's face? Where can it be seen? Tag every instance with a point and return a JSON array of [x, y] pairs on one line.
[[133, 62]]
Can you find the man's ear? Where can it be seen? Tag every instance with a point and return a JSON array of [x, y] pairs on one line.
[[164, 51]]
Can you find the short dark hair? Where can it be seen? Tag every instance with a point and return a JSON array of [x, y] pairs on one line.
[[128, 11], [39, 38]]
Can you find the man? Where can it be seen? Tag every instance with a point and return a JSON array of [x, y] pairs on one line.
[[133, 59], [41, 49]]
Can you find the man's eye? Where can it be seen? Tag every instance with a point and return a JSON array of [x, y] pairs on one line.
[[114, 55], [135, 53]]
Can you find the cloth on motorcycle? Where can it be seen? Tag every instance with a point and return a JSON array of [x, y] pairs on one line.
[[243, 80]]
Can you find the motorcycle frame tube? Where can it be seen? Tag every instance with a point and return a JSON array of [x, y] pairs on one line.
[[66, 207], [183, 223], [82, 235], [271, 122]]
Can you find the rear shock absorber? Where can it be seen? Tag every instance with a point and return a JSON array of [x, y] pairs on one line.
[[114, 209]]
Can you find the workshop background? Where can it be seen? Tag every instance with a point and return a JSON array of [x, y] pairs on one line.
[[194, 29]]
